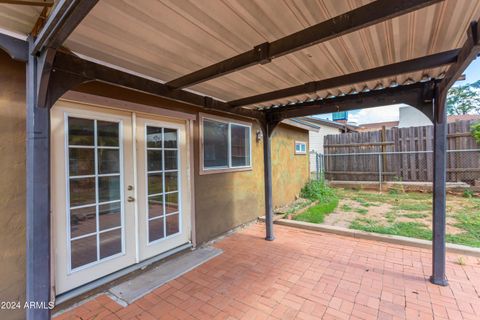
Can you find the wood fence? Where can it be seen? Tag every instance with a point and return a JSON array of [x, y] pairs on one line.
[[403, 154]]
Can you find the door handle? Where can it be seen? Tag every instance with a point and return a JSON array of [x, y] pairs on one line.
[[130, 199]]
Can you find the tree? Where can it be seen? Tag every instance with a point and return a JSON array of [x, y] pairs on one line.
[[464, 99]]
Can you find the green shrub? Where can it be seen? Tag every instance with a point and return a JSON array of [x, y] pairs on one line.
[[317, 191], [475, 130]]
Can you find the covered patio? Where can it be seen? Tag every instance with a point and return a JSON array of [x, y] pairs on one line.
[[256, 60], [305, 275]]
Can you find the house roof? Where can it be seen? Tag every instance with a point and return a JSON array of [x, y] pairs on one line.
[[167, 39], [463, 117], [298, 123], [378, 125]]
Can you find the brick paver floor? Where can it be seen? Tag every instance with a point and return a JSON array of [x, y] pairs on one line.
[[305, 275]]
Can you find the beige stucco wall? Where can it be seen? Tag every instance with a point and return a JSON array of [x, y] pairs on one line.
[[289, 171], [12, 188]]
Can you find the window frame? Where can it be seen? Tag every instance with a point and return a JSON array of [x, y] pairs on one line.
[[229, 168], [300, 143]]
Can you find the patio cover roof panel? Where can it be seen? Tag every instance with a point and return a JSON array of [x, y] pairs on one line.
[[167, 39], [19, 19]]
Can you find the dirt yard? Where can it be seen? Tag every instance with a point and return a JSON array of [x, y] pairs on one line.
[[407, 214]]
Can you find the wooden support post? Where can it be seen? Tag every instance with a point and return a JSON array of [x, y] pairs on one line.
[[267, 163], [439, 189], [38, 198]]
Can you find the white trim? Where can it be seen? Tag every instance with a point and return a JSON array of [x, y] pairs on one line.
[[300, 143], [229, 167]]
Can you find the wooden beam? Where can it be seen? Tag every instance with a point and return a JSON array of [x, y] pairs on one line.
[[17, 49], [65, 17], [67, 67], [413, 65], [28, 3], [466, 55], [417, 95], [359, 18]]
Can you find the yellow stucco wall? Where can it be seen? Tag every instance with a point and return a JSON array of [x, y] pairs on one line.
[[289, 170], [223, 201], [12, 188]]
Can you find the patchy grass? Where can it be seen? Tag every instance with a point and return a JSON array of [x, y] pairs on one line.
[[414, 207], [407, 229], [407, 214], [415, 215], [317, 213]]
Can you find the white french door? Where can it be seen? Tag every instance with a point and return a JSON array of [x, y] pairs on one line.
[[118, 191]]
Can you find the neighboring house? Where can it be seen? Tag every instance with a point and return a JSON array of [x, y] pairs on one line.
[[316, 137], [377, 126], [411, 117], [135, 176]]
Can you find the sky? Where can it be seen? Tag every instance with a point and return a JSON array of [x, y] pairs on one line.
[[390, 113]]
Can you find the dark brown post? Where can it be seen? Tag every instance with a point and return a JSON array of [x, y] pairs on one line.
[[439, 189], [38, 198], [267, 165]]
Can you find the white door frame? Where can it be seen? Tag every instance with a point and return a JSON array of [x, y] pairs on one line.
[[86, 100]]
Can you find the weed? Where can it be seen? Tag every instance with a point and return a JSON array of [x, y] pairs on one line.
[[461, 261], [467, 193], [391, 216], [346, 208], [361, 211], [317, 190]]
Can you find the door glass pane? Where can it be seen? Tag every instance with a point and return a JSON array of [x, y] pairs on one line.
[[83, 221], [108, 161], [109, 215], [240, 146], [154, 160], [107, 133], [83, 251], [110, 243], [171, 181], [96, 154], [171, 202], [172, 224], [154, 137], [81, 132], [170, 138], [82, 161], [82, 191], [155, 229], [215, 144], [171, 161], [108, 188], [155, 206], [155, 183]]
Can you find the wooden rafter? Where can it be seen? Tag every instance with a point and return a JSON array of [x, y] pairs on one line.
[[64, 18], [66, 65], [413, 65], [29, 3], [362, 17]]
